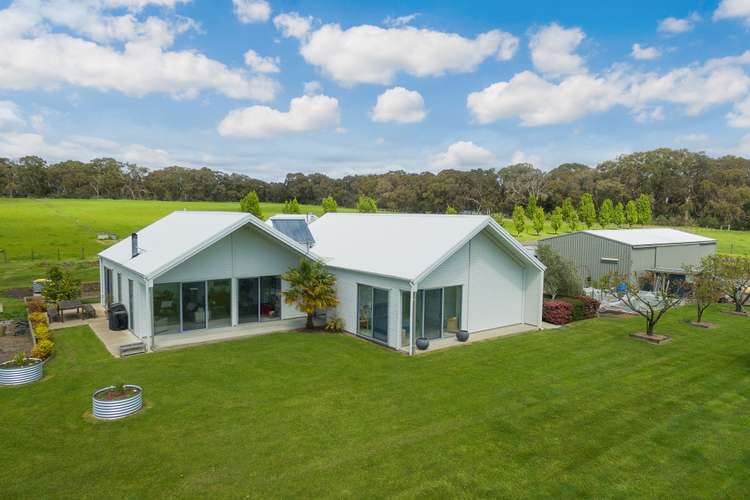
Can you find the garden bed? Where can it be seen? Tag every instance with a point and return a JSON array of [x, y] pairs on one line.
[[116, 402], [703, 324], [651, 339], [15, 374], [12, 342]]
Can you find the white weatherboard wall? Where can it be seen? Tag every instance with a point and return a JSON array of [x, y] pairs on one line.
[[246, 253], [141, 321], [346, 291]]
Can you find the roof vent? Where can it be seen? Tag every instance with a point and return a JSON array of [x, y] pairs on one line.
[[134, 245]]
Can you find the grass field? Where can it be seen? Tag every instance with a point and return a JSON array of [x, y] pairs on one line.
[[578, 412]]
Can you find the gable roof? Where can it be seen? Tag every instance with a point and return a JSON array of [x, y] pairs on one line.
[[652, 236], [178, 236], [405, 246]]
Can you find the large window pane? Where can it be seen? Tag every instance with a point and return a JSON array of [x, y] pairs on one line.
[[419, 306], [219, 303], [380, 315], [166, 308], [194, 305], [405, 317], [452, 309], [433, 302], [270, 298], [131, 306], [364, 310], [247, 300], [108, 287]]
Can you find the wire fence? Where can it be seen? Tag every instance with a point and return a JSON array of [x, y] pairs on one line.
[[48, 254]]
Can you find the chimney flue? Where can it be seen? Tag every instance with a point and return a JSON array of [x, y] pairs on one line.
[[134, 245]]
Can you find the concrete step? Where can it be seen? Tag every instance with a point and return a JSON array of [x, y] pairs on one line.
[[134, 348]]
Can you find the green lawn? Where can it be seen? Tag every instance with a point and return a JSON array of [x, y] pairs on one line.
[[577, 412]]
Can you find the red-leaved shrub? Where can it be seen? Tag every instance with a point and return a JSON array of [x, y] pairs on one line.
[[590, 306], [557, 312]]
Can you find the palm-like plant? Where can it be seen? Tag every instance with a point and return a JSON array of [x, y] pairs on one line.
[[311, 287]]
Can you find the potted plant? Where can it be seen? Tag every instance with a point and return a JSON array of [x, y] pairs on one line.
[[21, 370], [117, 401], [462, 335], [423, 343]]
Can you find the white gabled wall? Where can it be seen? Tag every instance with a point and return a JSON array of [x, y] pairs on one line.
[[141, 321]]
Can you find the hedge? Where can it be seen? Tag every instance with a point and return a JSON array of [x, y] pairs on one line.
[[557, 312]]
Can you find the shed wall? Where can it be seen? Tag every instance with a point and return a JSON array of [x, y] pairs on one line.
[[587, 251]]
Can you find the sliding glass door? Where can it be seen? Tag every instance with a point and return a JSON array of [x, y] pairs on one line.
[[248, 300], [433, 313], [166, 308], [380, 314], [219, 303], [259, 299], [193, 305], [437, 312]]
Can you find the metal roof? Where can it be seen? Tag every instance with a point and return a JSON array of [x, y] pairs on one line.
[[653, 236], [176, 237], [406, 246]]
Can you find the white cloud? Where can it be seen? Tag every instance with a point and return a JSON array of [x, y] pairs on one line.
[[293, 25], [553, 50], [395, 22], [306, 113], [261, 64], [522, 157], [739, 117], [252, 11], [312, 88], [537, 101], [399, 105], [371, 54], [674, 25], [463, 154], [10, 115], [744, 146], [34, 56], [644, 53], [731, 9]]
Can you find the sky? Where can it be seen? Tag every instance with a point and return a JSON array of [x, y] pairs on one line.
[[268, 87]]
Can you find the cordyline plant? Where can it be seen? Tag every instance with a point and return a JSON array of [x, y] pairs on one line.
[[650, 305], [734, 274], [705, 288], [311, 287]]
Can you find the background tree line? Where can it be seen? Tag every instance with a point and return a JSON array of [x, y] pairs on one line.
[[685, 187]]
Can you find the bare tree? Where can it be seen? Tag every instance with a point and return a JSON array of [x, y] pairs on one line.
[[705, 288], [651, 305], [734, 275]]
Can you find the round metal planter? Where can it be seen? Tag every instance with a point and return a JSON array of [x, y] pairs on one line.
[[119, 408], [23, 374], [423, 343], [462, 335]]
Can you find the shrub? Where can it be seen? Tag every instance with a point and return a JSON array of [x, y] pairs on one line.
[[590, 306], [42, 332], [577, 307], [335, 324], [561, 276], [557, 312], [38, 318], [43, 349], [35, 306]]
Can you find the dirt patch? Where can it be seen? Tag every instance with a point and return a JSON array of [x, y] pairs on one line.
[[18, 293], [10, 343], [734, 313], [703, 324], [652, 339]]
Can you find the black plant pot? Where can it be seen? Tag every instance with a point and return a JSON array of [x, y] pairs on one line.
[[462, 335], [423, 343]]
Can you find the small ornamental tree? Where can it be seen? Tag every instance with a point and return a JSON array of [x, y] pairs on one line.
[[61, 285], [631, 213], [734, 275], [573, 221], [329, 205], [250, 203], [291, 206], [537, 220], [519, 219], [705, 289], [451, 210], [587, 210], [618, 214], [561, 276], [366, 205], [567, 209], [650, 305], [311, 287], [644, 209], [531, 206], [556, 219], [606, 213]]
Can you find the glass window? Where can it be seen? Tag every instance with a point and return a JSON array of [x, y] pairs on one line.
[[247, 300], [193, 305], [108, 286], [364, 310], [433, 324], [131, 306], [219, 303], [452, 309], [270, 298], [119, 287], [166, 308], [380, 314], [405, 317]]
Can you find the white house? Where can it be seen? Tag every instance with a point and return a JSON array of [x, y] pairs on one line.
[[193, 276]]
